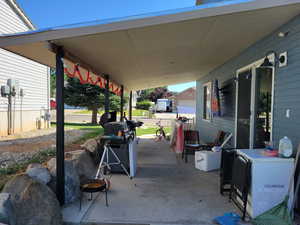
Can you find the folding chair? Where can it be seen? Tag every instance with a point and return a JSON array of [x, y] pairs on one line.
[[227, 159], [240, 183]]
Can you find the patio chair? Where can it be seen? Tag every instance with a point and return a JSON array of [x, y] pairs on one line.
[[240, 183], [191, 143], [227, 159]]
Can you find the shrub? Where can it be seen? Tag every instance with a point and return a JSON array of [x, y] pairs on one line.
[[143, 105]]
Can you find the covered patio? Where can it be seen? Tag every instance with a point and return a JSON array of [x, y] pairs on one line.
[[165, 191], [142, 52]]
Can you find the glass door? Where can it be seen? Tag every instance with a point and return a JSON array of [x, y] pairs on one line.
[[263, 107], [243, 111], [254, 108]]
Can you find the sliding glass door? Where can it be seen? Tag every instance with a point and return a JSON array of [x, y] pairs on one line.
[[254, 107], [263, 107], [243, 109]]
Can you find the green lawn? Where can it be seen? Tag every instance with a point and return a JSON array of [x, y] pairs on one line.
[[150, 130], [135, 112], [94, 130]]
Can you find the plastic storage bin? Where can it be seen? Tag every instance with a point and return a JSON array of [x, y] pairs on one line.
[[207, 160]]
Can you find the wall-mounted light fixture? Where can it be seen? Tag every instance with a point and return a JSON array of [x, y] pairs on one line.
[[283, 34], [277, 59]]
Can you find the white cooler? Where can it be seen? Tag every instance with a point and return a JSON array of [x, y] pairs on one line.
[[207, 160]]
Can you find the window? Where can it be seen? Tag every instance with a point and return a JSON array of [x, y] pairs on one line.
[[207, 101]]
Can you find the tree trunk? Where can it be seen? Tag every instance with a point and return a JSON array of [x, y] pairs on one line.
[[94, 115]]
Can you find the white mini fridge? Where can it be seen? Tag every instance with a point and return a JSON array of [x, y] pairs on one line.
[[270, 178]]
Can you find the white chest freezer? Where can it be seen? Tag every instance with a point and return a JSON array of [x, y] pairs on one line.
[[270, 178]]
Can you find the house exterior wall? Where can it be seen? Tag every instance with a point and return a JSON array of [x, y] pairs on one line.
[[33, 78], [186, 106], [185, 101], [286, 86]]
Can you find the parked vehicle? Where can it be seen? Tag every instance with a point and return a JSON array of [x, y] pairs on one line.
[[163, 105]]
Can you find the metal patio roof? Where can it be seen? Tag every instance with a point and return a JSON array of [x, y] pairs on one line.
[[159, 48]]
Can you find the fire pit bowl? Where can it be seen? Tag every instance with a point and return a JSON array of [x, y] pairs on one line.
[[95, 185]]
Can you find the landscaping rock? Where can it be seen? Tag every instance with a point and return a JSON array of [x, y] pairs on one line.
[[91, 146], [84, 164], [7, 210], [72, 182], [34, 202], [38, 173]]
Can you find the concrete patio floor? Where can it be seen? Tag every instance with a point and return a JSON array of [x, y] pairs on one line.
[[165, 191]]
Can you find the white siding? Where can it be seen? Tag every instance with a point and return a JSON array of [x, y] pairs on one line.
[[9, 21], [33, 77]]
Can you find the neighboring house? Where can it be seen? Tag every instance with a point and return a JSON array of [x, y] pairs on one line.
[[185, 101], [258, 104], [30, 77]]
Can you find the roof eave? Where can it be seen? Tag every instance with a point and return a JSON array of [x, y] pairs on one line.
[[201, 11]]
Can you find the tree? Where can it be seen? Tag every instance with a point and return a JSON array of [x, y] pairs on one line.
[[153, 94], [84, 95], [114, 101], [91, 97], [52, 83], [144, 95], [145, 105]]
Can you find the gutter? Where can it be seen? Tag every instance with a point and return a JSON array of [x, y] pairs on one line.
[[18, 10]]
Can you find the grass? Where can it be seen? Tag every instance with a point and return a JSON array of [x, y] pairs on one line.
[[94, 130], [139, 112], [151, 130], [43, 156], [86, 112], [135, 112]]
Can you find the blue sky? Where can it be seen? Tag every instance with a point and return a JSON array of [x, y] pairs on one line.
[[181, 87], [51, 13]]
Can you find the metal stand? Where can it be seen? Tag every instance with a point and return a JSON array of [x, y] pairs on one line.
[[107, 164]]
